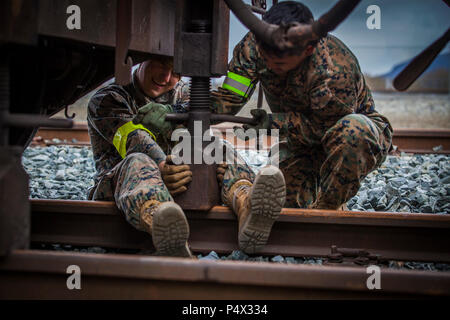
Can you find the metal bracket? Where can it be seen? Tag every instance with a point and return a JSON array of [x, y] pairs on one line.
[[15, 210], [124, 63], [259, 4], [355, 255]]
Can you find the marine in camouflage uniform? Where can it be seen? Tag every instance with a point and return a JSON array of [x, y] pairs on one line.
[[130, 140], [129, 175], [134, 175], [332, 135]]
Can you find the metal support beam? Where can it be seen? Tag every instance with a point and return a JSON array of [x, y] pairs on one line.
[[124, 63]]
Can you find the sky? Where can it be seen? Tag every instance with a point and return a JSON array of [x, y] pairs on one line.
[[407, 27]]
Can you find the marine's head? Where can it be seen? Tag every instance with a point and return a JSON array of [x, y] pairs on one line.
[[286, 12], [155, 76]]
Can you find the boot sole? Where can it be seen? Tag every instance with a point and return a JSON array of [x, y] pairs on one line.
[[266, 199], [170, 231]]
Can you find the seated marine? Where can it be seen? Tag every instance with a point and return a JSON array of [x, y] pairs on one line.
[[131, 143], [331, 135]]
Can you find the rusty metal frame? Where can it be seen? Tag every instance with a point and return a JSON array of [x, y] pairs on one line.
[[42, 275], [293, 35], [298, 232], [123, 63]]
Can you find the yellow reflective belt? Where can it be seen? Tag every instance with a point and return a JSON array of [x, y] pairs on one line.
[[237, 84], [121, 136]]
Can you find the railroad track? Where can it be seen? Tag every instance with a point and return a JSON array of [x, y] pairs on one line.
[[407, 140], [347, 242], [360, 239], [297, 232], [33, 274]]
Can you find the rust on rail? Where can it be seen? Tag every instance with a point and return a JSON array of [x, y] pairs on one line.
[[32, 274], [422, 141], [297, 232]]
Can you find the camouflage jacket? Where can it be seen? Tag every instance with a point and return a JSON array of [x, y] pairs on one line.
[[113, 106], [311, 98]]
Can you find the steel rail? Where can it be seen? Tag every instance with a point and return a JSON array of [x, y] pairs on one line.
[[422, 141], [407, 140], [35, 274], [79, 131], [297, 232]]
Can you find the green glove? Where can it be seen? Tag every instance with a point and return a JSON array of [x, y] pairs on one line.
[[261, 118], [153, 117], [262, 122]]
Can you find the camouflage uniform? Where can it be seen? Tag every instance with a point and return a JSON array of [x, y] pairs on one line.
[[134, 179], [325, 113]]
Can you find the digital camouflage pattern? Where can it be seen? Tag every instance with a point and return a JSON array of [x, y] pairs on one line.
[[109, 109], [326, 115], [235, 171], [327, 175], [136, 179]]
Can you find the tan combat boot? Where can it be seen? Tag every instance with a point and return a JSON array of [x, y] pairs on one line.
[[257, 207], [168, 226]]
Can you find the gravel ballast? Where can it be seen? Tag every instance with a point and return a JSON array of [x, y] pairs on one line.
[[238, 255], [418, 183], [409, 183]]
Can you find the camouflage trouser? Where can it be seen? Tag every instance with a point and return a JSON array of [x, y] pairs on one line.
[[137, 179], [237, 170], [329, 174]]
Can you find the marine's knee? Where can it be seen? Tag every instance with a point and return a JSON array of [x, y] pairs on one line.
[[354, 131]]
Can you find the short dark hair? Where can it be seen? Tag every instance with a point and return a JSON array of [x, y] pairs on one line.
[[283, 13], [167, 61]]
